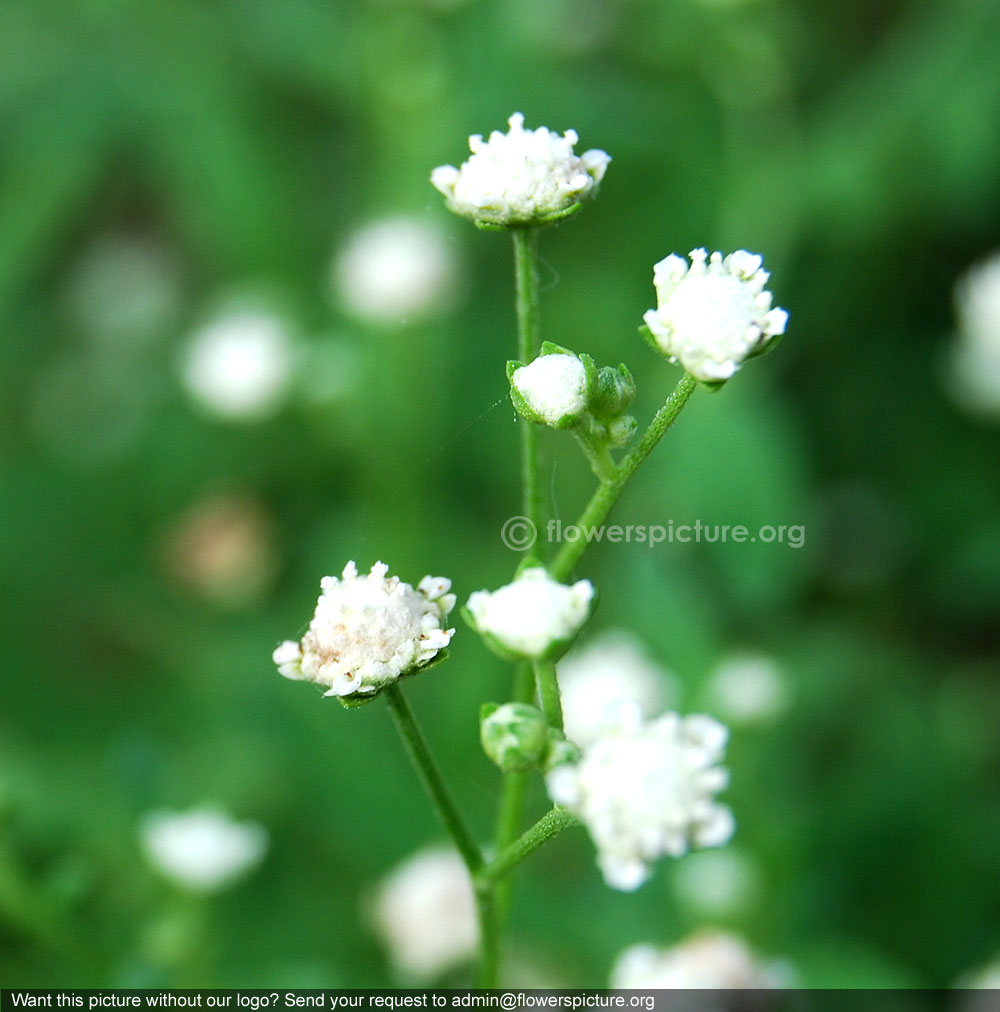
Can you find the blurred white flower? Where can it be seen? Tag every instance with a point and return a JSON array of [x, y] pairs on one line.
[[555, 388], [425, 913], [613, 670], [714, 313], [395, 270], [532, 616], [716, 883], [983, 978], [748, 689], [647, 790], [202, 850], [714, 961], [239, 367], [522, 177], [975, 372], [369, 630]]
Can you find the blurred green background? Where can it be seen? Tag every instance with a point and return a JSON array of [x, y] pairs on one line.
[[158, 158]]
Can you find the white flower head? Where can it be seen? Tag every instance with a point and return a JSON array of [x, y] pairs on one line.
[[425, 913], [713, 313], [975, 359], [368, 631], [240, 366], [520, 178], [715, 961], [554, 389], [395, 270], [748, 689], [716, 883], [612, 671], [647, 790], [534, 617], [202, 850]]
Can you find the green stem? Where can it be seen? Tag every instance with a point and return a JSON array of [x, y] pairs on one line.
[[528, 346], [489, 934], [548, 693], [602, 501], [599, 456], [430, 775], [552, 822]]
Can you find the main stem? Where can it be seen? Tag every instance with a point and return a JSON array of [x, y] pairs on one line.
[[528, 346], [602, 501]]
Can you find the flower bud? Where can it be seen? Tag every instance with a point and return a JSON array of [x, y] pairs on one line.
[[514, 735], [614, 393], [555, 389]]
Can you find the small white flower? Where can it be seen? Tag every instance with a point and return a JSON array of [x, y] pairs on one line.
[[395, 270], [648, 790], [240, 366], [711, 961], [369, 630], [523, 177], [555, 388], [613, 670], [714, 313], [748, 689], [975, 365], [425, 913], [533, 615], [202, 850]]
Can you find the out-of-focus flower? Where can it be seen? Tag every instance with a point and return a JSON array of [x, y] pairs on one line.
[[396, 270], [554, 389], [202, 850], [522, 177], [714, 960], [369, 630], [240, 366], [748, 689], [713, 314], [425, 913], [716, 883], [975, 372], [534, 617], [647, 790], [613, 670], [223, 548]]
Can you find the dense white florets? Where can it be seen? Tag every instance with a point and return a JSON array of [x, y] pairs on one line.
[[647, 790], [369, 630], [555, 388], [532, 615], [714, 313], [522, 177]]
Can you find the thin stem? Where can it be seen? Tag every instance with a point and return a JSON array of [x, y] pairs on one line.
[[528, 346], [548, 693], [489, 933], [599, 456], [602, 501], [430, 775], [552, 822]]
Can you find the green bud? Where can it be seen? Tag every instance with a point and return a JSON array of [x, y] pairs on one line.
[[615, 392], [621, 430], [514, 735]]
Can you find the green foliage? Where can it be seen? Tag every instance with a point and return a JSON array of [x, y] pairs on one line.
[[241, 142]]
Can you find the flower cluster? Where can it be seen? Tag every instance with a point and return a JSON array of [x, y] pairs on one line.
[[713, 314], [521, 178], [368, 631], [975, 374], [533, 617], [646, 790]]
